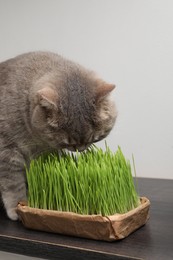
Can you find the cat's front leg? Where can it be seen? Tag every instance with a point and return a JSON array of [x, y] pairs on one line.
[[11, 196], [12, 181]]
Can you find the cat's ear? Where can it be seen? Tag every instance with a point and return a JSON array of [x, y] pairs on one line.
[[47, 97], [103, 90]]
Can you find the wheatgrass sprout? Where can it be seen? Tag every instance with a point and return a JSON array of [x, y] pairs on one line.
[[93, 182]]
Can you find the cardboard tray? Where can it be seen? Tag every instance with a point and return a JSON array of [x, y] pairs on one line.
[[108, 228]]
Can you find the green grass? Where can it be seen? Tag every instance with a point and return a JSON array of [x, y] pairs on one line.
[[94, 182]]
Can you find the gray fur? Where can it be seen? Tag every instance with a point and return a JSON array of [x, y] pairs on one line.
[[46, 103]]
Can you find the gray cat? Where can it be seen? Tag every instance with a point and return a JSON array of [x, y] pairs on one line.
[[46, 103]]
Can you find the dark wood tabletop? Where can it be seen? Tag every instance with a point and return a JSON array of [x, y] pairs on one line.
[[152, 241]]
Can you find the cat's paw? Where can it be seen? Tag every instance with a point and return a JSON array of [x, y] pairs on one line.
[[12, 214]]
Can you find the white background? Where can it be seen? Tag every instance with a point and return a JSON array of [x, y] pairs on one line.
[[129, 43]]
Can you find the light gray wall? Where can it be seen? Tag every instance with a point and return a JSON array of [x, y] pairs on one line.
[[129, 43]]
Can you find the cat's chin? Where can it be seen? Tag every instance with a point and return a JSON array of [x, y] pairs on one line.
[[72, 149]]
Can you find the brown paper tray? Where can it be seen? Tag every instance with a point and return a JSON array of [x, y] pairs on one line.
[[108, 228]]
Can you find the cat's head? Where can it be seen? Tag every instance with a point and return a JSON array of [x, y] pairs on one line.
[[73, 111]]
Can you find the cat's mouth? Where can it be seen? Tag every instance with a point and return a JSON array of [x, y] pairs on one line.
[[75, 148]]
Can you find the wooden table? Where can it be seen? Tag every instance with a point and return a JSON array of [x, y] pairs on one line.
[[152, 241]]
